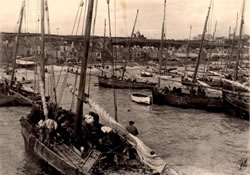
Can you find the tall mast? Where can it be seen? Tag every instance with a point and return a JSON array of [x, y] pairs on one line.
[[239, 42], [42, 64], [202, 42], [42, 42], [162, 38], [47, 13], [129, 43], [104, 46], [228, 50], [210, 51], [52, 76], [189, 37], [232, 44], [113, 65], [84, 59], [16, 44]]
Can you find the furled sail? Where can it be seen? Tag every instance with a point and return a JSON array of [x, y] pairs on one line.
[[146, 155]]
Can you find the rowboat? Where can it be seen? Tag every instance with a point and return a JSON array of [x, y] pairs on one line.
[[141, 99], [146, 74]]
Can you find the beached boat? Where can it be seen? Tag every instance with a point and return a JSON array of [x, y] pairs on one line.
[[123, 84], [141, 99]]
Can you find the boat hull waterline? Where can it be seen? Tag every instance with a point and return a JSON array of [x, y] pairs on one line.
[[122, 84], [141, 99], [187, 101]]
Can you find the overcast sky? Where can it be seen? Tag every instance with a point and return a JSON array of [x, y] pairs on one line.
[[180, 14]]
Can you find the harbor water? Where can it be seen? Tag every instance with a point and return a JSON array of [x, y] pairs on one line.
[[192, 141]]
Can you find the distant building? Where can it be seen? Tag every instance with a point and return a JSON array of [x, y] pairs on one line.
[[220, 40], [208, 37]]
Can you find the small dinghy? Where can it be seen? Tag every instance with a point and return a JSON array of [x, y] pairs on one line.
[[146, 74], [142, 99]]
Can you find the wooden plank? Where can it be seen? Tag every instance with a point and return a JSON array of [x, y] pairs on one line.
[[91, 160]]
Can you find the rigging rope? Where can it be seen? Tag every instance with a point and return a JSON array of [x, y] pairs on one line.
[[81, 3], [79, 21], [76, 75], [60, 73], [63, 86]]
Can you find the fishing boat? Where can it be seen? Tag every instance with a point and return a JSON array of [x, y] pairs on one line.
[[183, 100], [236, 95], [12, 92], [237, 105], [7, 100], [236, 98], [73, 157], [124, 84], [195, 95], [141, 98]]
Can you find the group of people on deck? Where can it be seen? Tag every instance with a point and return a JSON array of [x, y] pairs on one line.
[[5, 86], [60, 127]]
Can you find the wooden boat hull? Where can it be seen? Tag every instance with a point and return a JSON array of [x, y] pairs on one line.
[[237, 106], [187, 101], [214, 83], [66, 162], [141, 99], [9, 100], [122, 84]]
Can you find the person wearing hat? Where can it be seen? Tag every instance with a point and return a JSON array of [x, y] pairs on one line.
[[132, 129]]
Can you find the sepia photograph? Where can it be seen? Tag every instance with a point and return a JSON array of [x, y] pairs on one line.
[[124, 87]]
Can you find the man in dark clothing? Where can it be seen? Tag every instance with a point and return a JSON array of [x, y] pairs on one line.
[[36, 113], [131, 128], [19, 87]]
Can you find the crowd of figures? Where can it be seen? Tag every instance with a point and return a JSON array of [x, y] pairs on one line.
[[4, 87], [60, 128]]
